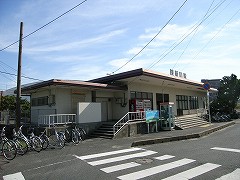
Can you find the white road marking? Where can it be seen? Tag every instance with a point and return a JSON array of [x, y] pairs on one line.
[[164, 157], [120, 167], [191, 173], [235, 175], [15, 176], [121, 158], [226, 149], [156, 169], [108, 153]]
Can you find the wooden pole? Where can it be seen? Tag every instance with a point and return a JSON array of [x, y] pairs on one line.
[[18, 98]]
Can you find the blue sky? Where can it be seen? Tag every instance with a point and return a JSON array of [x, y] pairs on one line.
[[100, 36]]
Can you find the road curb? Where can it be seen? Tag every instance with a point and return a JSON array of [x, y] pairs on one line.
[[181, 137]]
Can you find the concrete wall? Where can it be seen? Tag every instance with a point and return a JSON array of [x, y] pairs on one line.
[[132, 129], [88, 112]]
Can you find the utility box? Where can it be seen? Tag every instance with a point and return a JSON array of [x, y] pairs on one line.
[[167, 115]]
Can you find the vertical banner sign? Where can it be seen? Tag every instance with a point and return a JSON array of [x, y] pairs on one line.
[[152, 116]]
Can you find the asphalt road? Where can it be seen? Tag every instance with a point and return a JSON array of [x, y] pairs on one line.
[[210, 157]]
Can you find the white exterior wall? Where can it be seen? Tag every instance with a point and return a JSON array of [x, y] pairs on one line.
[[111, 109], [172, 91], [113, 105], [88, 112], [120, 109], [41, 110], [65, 102]]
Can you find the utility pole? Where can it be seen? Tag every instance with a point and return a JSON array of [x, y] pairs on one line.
[[18, 98]]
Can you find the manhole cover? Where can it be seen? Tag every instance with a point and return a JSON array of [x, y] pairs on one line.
[[144, 161]]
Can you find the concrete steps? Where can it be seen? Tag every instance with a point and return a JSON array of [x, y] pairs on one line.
[[104, 131], [188, 121]]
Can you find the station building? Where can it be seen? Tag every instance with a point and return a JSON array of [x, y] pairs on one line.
[[111, 97]]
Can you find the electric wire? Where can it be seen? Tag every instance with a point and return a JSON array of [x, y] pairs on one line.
[[26, 77], [211, 39], [195, 31], [215, 35], [5, 75], [192, 37], [207, 25], [30, 35], [173, 47], [152, 38], [45, 24]]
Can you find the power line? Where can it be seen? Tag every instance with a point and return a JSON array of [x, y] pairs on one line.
[[30, 35], [151, 39], [173, 46], [195, 31], [5, 75], [21, 76], [45, 24], [183, 38], [211, 21], [216, 34], [192, 36]]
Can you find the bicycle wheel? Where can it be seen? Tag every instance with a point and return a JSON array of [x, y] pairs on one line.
[[83, 134], [67, 136], [60, 140], [45, 141], [36, 144], [56, 142], [75, 138], [9, 150], [22, 146], [52, 140]]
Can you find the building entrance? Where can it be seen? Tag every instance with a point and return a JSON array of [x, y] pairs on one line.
[[161, 98]]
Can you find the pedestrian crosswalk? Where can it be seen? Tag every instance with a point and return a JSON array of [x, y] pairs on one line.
[[120, 160]]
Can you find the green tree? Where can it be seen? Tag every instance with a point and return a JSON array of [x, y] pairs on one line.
[[9, 103], [228, 95]]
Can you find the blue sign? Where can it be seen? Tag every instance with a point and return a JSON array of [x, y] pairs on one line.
[[206, 86], [152, 116]]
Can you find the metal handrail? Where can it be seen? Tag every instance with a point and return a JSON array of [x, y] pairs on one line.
[[130, 116], [201, 112], [178, 121], [56, 119]]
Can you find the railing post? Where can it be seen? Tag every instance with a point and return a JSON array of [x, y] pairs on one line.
[[48, 121]]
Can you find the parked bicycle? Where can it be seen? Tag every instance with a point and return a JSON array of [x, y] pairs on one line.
[[218, 117], [19, 143], [71, 135], [82, 133], [8, 147], [45, 140], [57, 139], [33, 142]]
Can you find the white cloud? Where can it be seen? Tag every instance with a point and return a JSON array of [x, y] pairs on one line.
[[103, 38], [170, 33]]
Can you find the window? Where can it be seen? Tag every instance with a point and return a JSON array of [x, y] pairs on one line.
[[141, 95], [182, 102], [133, 94], [40, 101], [193, 101], [162, 97]]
